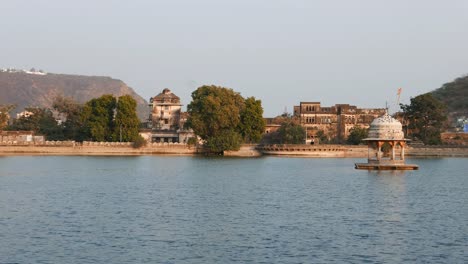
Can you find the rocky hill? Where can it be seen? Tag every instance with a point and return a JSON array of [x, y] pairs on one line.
[[35, 90], [454, 95]]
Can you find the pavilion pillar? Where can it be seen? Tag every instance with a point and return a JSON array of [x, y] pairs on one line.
[[379, 151], [403, 151], [393, 150]]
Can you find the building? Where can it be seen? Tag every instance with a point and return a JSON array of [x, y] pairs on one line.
[[334, 122], [166, 120]]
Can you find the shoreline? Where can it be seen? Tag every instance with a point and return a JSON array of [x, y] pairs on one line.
[[170, 149]]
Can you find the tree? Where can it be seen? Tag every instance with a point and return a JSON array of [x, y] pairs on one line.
[[356, 135], [215, 116], [322, 137], [5, 115], [97, 117], [426, 117], [291, 132], [41, 121], [252, 124], [71, 111], [126, 121], [225, 140]]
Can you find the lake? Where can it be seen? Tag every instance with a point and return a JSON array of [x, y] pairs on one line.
[[159, 209]]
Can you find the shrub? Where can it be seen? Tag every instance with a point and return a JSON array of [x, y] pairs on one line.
[[139, 142]]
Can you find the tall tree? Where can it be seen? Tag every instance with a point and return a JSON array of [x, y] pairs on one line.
[[5, 115], [70, 111], [97, 117], [252, 124], [426, 116], [126, 121], [216, 112]]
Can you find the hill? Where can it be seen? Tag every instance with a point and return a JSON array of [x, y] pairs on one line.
[[36, 90], [455, 96]]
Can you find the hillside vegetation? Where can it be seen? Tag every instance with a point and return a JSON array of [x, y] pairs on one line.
[[30, 90], [454, 95]]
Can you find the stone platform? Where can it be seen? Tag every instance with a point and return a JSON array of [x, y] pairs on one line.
[[374, 166]]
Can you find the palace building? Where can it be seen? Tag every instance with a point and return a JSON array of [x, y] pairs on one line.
[[166, 120], [334, 122]]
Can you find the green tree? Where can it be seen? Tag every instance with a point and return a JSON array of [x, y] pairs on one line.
[[126, 121], [215, 113], [97, 117], [291, 132], [40, 121], [427, 117], [5, 115], [224, 140], [356, 135], [71, 111], [322, 137], [252, 124]]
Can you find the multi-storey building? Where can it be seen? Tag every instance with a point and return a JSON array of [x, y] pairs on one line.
[[166, 119], [334, 122]]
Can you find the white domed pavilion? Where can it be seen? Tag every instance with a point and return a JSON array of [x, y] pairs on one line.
[[386, 131]]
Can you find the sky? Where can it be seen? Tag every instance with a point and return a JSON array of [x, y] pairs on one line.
[[282, 52]]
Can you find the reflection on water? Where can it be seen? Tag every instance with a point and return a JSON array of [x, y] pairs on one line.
[[203, 210]]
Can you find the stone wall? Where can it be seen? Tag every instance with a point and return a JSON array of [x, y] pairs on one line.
[[332, 151], [437, 151], [126, 148], [244, 151], [95, 148]]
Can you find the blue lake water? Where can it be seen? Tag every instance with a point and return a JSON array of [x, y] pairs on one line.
[[154, 209]]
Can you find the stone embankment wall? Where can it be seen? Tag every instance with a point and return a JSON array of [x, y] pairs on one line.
[[244, 151], [361, 151], [94, 148], [437, 151], [126, 148], [331, 151]]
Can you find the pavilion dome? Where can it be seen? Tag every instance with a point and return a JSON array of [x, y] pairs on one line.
[[385, 127]]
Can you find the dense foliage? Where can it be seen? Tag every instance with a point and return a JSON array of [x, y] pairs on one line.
[[356, 135], [126, 121], [5, 115], [426, 117], [41, 121], [100, 119], [291, 132], [252, 123], [109, 119], [223, 118], [70, 110]]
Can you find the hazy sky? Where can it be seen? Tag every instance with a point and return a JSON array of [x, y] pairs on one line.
[[282, 52]]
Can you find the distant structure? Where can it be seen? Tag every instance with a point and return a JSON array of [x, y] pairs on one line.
[[166, 119], [335, 121], [32, 71], [385, 139]]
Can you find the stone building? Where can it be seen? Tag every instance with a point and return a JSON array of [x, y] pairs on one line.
[[334, 121], [166, 120]]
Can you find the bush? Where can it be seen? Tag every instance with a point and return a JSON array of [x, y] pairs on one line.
[[139, 142], [192, 141]]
